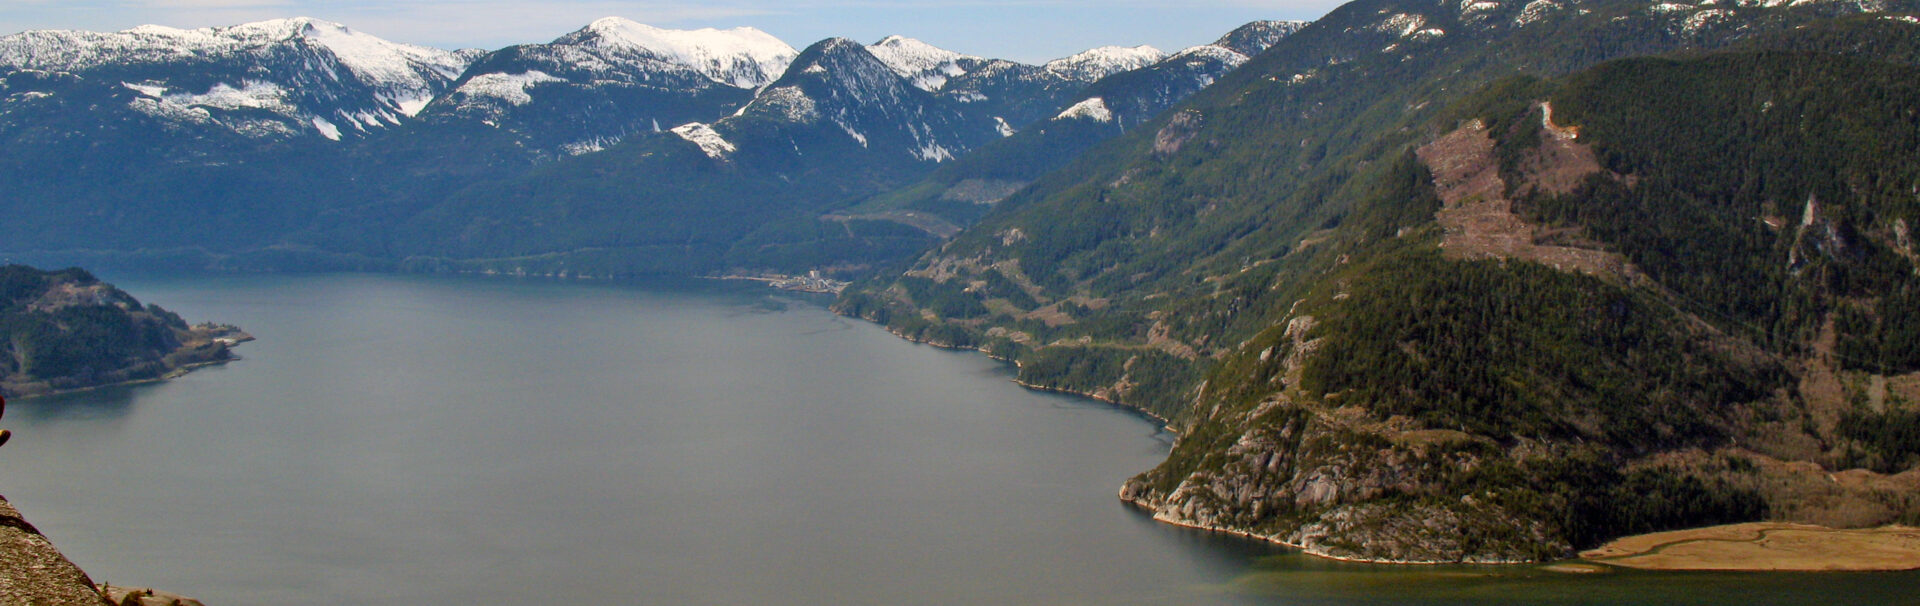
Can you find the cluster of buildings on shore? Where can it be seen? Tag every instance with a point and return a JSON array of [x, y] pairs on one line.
[[812, 282]]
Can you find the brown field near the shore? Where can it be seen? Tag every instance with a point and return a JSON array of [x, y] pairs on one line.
[[1766, 546]]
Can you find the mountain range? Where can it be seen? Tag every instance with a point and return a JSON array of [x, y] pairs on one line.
[[1477, 281], [301, 144]]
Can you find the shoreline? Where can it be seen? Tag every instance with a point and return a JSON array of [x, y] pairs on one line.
[[1766, 547], [812, 283], [1163, 422], [175, 373], [227, 340], [1320, 553], [1581, 563]]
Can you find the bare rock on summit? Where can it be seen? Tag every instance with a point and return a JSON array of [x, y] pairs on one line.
[[33, 572]]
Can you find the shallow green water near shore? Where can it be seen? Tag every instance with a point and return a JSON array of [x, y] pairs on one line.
[[402, 440]]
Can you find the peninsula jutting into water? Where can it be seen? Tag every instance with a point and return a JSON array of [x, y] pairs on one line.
[[686, 437]]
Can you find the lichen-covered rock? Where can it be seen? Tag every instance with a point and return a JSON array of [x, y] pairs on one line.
[[33, 572]]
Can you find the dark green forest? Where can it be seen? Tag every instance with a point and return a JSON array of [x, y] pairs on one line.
[[66, 329]]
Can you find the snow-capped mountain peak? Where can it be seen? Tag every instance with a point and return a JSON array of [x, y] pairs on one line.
[[849, 68], [1098, 63], [401, 77], [926, 65], [368, 56], [840, 88], [743, 56]]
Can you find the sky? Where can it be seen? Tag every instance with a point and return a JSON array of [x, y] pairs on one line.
[[1021, 30]]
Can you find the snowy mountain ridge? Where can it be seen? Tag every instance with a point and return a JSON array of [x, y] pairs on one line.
[[845, 83], [927, 66], [581, 92], [404, 77], [1097, 63], [743, 57]]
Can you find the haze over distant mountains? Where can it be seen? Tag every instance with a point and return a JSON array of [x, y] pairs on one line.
[[1478, 281], [300, 143]]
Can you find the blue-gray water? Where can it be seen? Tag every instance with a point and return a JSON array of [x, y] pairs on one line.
[[405, 440]]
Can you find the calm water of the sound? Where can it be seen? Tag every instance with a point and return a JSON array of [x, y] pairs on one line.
[[411, 440]]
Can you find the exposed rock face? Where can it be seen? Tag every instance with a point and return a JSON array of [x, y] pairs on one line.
[[1342, 485], [1478, 216], [141, 596], [1176, 133], [1339, 483], [33, 572]]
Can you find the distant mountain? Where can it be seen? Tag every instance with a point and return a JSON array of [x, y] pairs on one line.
[[1105, 61], [542, 157], [68, 330], [227, 137], [272, 79], [589, 89], [839, 124], [1483, 282], [749, 191], [961, 192]]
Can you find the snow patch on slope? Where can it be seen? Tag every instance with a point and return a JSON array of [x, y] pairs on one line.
[[252, 94], [1401, 24], [149, 89], [933, 152], [511, 88], [706, 138], [1094, 108], [1702, 19], [788, 102], [1535, 11], [926, 65], [327, 129], [1225, 55]]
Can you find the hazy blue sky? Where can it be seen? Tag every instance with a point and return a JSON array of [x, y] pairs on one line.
[[1024, 30]]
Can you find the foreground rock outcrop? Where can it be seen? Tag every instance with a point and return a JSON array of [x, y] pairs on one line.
[[32, 571]]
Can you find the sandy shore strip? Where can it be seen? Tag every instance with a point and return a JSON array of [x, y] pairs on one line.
[[1766, 546]]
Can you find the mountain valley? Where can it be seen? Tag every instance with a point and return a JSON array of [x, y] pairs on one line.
[[1492, 281]]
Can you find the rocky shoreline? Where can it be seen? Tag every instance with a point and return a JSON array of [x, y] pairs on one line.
[[206, 345]]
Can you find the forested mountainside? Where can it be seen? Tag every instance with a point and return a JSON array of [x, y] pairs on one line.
[[1422, 269], [618, 149], [66, 329], [960, 192]]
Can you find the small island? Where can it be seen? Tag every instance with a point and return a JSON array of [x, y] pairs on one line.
[[66, 330]]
